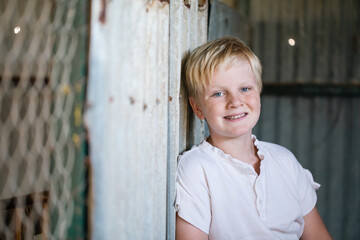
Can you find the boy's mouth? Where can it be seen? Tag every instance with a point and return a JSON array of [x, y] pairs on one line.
[[233, 117]]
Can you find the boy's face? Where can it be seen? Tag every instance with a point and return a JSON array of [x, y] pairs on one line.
[[230, 103]]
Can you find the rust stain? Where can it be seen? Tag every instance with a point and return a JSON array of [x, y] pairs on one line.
[[144, 107], [102, 17], [132, 100], [201, 4], [170, 98], [187, 3]]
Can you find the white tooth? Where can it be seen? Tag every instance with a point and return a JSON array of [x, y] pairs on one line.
[[236, 117]]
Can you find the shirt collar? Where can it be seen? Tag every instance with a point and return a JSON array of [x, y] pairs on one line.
[[220, 153]]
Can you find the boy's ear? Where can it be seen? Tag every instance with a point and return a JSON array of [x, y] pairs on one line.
[[196, 108]]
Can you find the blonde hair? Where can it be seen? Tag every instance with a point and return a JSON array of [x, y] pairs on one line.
[[201, 63]]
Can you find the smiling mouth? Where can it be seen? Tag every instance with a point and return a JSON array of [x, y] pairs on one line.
[[235, 116]]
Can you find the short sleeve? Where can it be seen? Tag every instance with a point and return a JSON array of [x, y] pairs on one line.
[[304, 183], [307, 190], [192, 200]]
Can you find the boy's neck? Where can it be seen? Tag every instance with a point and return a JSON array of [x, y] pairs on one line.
[[241, 148]]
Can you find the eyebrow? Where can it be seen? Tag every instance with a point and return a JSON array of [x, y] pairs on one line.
[[249, 82]]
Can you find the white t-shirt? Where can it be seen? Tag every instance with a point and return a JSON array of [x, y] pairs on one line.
[[226, 199]]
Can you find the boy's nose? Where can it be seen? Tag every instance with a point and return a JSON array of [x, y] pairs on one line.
[[235, 100]]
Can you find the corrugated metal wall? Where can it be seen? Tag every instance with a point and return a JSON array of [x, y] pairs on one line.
[[316, 115], [139, 120], [137, 112], [188, 29]]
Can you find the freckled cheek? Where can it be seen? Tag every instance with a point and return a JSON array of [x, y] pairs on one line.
[[253, 101], [214, 110]]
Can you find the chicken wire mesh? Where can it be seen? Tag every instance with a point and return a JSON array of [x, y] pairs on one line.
[[42, 74]]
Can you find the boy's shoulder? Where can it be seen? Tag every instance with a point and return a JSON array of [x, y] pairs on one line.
[[279, 156], [197, 151], [198, 156], [274, 149]]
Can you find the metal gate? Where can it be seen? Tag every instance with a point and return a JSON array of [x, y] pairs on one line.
[[42, 152]]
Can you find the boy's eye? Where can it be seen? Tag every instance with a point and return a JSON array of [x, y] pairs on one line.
[[218, 94], [245, 89]]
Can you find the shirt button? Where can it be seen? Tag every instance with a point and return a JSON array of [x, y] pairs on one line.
[[260, 201]]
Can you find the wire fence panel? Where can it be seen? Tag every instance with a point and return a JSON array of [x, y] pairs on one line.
[[41, 84]]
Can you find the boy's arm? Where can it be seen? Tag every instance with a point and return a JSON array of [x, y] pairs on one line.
[[314, 227], [186, 231]]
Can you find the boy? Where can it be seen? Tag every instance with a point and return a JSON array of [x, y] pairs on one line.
[[233, 186]]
